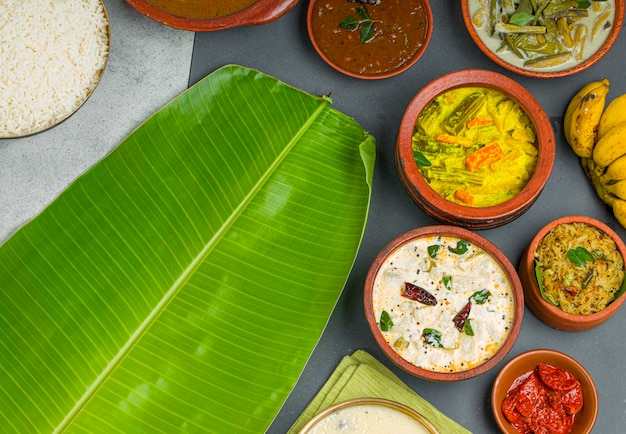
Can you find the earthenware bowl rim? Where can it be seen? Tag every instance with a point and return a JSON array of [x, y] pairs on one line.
[[592, 60], [527, 358], [529, 261], [545, 141], [260, 12], [368, 401], [458, 232], [388, 74]]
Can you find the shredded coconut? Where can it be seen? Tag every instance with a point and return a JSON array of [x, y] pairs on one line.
[[52, 55]]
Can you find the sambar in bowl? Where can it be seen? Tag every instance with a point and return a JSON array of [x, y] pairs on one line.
[[370, 39]]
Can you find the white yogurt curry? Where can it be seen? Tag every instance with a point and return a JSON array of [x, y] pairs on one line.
[[369, 419], [551, 35], [443, 304]]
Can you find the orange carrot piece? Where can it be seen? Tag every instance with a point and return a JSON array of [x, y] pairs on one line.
[[448, 138], [463, 196], [479, 122], [484, 156]]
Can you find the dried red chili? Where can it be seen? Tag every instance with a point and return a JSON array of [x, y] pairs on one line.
[[415, 293], [544, 400], [460, 318]]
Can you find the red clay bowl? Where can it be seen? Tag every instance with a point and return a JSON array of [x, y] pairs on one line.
[[568, 69], [548, 313], [450, 212], [525, 362], [414, 322], [259, 12], [401, 33]]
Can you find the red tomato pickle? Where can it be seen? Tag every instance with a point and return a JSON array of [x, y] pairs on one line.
[[543, 401]]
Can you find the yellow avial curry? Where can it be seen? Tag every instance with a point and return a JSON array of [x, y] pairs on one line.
[[475, 146]]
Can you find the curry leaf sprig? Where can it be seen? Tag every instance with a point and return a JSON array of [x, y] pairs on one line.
[[362, 21]]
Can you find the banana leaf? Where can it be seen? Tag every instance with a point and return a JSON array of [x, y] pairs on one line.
[[182, 282]]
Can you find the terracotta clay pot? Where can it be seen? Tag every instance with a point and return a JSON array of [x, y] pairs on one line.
[[548, 313], [500, 258], [453, 213], [617, 24], [526, 362], [260, 12], [367, 50]]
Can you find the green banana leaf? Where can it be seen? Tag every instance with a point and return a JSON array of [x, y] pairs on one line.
[[181, 283]]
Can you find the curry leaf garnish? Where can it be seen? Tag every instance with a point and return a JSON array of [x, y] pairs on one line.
[[480, 297], [580, 256], [432, 337], [447, 282], [421, 160], [539, 277], [461, 247], [583, 4], [433, 250], [363, 20], [385, 321], [467, 328], [521, 18]]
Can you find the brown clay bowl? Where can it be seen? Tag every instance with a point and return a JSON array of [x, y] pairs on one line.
[[569, 69], [381, 57], [511, 306], [259, 12], [548, 313], [390, 410], [525, 362], [450, 212]]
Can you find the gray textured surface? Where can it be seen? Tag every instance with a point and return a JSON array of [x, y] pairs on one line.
[[148, 66], [283, 50]]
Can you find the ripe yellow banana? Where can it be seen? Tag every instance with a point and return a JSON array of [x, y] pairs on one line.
[[619, 211], [582, 116], [611, 146], [614, 114], [617, 189], [615, 171]]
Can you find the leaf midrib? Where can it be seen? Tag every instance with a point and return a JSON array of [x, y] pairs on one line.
[[184, 277]]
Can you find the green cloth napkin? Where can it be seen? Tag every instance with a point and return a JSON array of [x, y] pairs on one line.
[[361, 375]]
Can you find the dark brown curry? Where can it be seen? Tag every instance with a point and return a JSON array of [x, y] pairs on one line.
[[202, 8], [400, 29]]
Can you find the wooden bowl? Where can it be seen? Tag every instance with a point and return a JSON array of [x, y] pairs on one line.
[[525, 362], [501, 314], [389, 411], [450, 212], [567, 69], [259, 12], [400, 37], [548, 313]]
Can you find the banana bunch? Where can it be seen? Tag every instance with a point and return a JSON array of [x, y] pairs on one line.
[[598, 135]]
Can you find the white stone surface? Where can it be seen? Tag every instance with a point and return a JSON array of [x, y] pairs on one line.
[[148, 66]]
